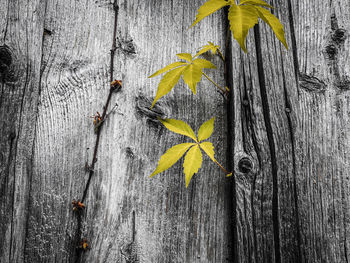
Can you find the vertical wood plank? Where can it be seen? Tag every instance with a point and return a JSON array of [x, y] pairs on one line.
[[171, 223], [322, 141], [20, 59]]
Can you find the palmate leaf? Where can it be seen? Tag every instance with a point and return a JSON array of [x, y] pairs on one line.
[[193, 159], [243, 17], [213, 48], [190, 70]]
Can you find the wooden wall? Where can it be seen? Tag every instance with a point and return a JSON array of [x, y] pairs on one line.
[[284, 132]]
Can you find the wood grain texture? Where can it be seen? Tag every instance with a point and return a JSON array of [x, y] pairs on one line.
[[289, 122], [294, 206], [20, 61]]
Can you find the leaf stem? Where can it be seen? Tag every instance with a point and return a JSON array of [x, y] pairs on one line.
[[222, 168], [212, 81], [221, 55]]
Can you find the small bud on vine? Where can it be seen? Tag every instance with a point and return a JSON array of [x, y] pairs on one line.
[[77, 205]]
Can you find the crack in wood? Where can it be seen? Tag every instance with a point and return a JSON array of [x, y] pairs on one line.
[[294, 42], [288, 112]]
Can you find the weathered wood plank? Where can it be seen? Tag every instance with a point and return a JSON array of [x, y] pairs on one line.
[[75, 84], [20, 58], [172, 224], [297, 211], [322, 140]]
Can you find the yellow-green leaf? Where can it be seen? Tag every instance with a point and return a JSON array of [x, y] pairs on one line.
[[274, 23], [208, 8], [192, 163], [167, 83], [254, 2], [206, 130], [167, 68], [210, 46], [229, 175], [179, 127], [242, 18], [192, 75], [208, 148], [203, 63], [185, 56], [171, 156]]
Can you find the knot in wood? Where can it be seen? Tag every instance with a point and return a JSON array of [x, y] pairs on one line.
[[339, 35], [245, 165], [311, 84], [5, 59], [331, 51], [143, 108]]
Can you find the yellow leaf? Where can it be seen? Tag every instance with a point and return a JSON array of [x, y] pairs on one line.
[[229, 175], [206, 130], [171, 156], [192, 163], [192, 75], [169, 67], [206, 48], [254, 2], [167, 83], [185, 56], [203, 63], [208, 8], [242, 18], [208, 148], [179, 127], [274, 23]]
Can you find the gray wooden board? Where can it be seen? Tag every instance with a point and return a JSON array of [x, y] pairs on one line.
[[290, 135]]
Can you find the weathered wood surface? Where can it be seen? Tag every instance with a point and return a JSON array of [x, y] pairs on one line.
[[289, 199]]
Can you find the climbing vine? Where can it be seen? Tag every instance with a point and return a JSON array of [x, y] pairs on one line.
[[242, 17]]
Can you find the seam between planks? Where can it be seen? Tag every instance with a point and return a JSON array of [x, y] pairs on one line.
[[230, 186]]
